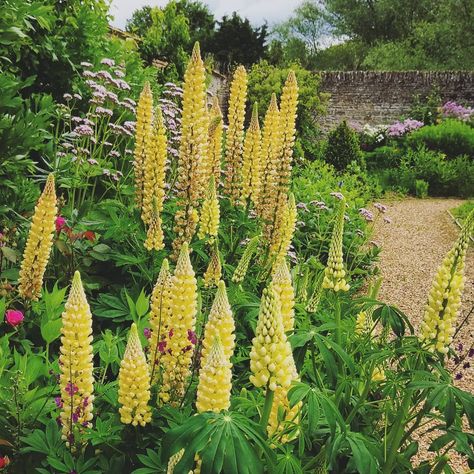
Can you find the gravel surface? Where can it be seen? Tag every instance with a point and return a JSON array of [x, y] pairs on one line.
[[413, 246]]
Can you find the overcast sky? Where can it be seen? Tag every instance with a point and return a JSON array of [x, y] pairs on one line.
[[257, 11]]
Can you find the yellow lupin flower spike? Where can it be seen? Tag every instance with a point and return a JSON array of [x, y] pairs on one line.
[[192, 151], [284, 288], [235, 135], [38, 245], [334, 272], [378, 374], [364, 323], [252, 164], [444, 300], [214, 387], [283, 234], [215, 132], [270, 357], [76, 363], [243, 265], [154, 169], [313, 302], [214, 269], [154, 235], [160, 319], [179, 350], [281, 406], [143, 136], [210, 213], [134, 383], [271, 145], [220, 324]]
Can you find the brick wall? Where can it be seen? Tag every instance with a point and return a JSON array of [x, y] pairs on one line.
[[382, 97]]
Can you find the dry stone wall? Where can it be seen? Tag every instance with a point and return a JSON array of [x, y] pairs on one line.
[[374, 98]]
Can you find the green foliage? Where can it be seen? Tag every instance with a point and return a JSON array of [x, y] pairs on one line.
[[421, 188], [462, 211], [451, 137], [383, 157], [343, 147]]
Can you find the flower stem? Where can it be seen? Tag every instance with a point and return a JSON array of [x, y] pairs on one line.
[[267, 407]]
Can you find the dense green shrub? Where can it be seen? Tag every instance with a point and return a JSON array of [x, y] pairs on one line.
[[383, 157], [451, 137], [453, 177], [343, 147]]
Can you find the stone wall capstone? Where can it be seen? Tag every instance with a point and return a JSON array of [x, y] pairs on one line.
[[375, 98]]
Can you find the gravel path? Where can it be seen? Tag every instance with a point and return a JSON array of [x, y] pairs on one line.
[[413, 246]]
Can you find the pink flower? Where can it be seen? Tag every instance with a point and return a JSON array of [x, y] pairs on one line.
[[147, 333], [14, 317], [60, 223]]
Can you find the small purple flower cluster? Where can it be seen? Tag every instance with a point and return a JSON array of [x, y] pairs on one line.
[[170, 105], [462, 364], [398, 129], [366, 214], [453, 110]]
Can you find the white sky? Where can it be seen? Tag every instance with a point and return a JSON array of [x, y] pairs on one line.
[[257, 11]]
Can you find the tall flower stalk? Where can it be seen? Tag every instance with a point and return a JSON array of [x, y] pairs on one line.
[[214, 269], [38, 245], [210, 213], [283, 286], [76, 363], [192, 151], [176, 360], [215, 132], [134, 383], [283, 234], [235, 135]]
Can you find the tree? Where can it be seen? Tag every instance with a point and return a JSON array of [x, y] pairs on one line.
[[236, 42], [201, 21]]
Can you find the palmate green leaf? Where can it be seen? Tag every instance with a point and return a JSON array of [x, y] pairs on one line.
[[363, 458], [226, 442], [287, 463], [466, 399]]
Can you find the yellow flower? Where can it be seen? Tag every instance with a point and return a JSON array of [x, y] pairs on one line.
[[179, 350], [154, 235], [444, 300], [209, 222], [38, 245], [134, 383], [283, 234], [235, 135], [220, 325], [284, 289], [215, 132], [378, 374], [270, 356], [364, 323], [252, 164], [76, 362], [271, 146], [313, 302], [143, 136], [243, 265], [160, 319], [154, 170], [214, 269], [282, 416], [214, 386], [334, 272], [192, 150]]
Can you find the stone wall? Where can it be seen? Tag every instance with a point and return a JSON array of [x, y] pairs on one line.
[[374, 98]]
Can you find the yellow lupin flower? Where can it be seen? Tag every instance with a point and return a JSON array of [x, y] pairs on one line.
[[243, 265], [134, 383], [173, 461], [220, 324], [281, 414], [192, 150], [235, 135], [283, 287], [214, 269], [271, 145], [252, 164], [76, 363], [270, 357], [215, 132], [334, 272], [210, 213], [160, 319], [214, 387], [154, 235], [283, 234], [38, 245], [364, 323], [378, 374], [143, 136], [313, 302], [179, 350], [444, 300], [154, 169]]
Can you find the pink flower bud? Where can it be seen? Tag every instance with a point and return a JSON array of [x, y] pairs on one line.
[[14, 317]]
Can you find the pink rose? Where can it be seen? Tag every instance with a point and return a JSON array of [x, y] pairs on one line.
[[14, 317], [60, 223]]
